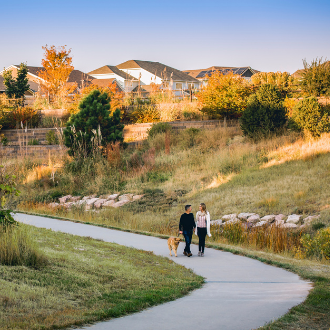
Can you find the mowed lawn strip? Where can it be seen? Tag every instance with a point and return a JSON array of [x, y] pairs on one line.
[[85, 281]]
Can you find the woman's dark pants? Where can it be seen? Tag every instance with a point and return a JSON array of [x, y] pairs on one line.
[[201, 232]]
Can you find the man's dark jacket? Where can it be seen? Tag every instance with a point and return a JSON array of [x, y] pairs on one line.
[[187, 222]]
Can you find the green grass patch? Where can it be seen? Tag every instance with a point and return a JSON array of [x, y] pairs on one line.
[[86, 280]]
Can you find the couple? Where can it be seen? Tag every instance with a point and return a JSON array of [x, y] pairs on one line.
[[201, 228]]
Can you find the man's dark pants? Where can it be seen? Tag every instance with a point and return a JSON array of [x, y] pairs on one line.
[[187, 236]]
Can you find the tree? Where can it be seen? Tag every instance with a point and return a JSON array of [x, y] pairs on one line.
[[93, 126], [315, 78], [265, 112], [57, 64], [224, 95], [283, 80], [16, 87], [311, 117], [115, 95]]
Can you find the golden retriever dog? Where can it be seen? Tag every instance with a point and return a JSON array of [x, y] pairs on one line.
[[173, 243]]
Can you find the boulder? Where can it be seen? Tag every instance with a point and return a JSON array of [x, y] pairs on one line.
[[98, 204], [112, 197], [75, 199], [127, 197], [90, 202], [278, 223], [289, 225], [120, 203], [64, 199], [88, 197], [308, 220], [68, 205], [53, 205], [260, 223], [108, 203], [233, 221], [268, 218], [280, 217], [228, 217], [216, 222], [244, 216], [293, 218], [253, 218], [137, 197]]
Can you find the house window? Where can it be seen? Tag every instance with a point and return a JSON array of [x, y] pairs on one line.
[[178, 86], [191, 86]]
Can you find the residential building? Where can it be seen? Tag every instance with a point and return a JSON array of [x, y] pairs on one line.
[[135, 74], [203, 74]]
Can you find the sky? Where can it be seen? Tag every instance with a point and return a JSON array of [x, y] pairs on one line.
[[267, 35]]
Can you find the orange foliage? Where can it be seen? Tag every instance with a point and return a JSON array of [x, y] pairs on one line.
[[116, 96], [57, 64]]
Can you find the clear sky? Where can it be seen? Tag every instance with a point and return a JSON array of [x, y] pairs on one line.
[[268, 35]]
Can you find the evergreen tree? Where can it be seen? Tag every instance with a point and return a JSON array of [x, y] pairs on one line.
[[92, 126], [16, 88], [264, 114]]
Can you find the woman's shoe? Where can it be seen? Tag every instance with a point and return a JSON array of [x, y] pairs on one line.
[[199, 253], [202, 254]]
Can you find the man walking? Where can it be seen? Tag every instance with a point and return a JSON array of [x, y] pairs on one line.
[[186, 227]]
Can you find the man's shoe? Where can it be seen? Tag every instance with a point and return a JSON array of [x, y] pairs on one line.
[[189, 254], [202, 254], [185, 253], [199, 253]]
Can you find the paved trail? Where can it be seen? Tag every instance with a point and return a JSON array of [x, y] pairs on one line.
[[239, 294]]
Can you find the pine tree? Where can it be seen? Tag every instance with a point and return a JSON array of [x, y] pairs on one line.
[[93, 126], [16, 88]]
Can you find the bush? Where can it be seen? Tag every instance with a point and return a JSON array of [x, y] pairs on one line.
[[92, 127], [265, 113], [159, 128], [20, 116], [318, 246], [311, 117], [18, 249], [33, 142], [51, 138]]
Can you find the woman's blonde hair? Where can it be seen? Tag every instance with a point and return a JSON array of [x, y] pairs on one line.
[[203, 207]]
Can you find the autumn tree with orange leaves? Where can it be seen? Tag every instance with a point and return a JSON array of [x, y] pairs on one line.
[[114, 94], [57, 64]]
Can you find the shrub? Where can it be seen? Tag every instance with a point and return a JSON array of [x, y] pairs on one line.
[[20, 116], [17, 248], [33, 142], [315, 78], [146, 113], [224, 95], [265, 113], [319, 245], [311, 117], [92, 126], [159, 128], [51, 138]]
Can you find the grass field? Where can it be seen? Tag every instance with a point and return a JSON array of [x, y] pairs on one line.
[[285, 174], [86, 280]]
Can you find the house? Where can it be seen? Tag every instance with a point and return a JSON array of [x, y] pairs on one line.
[[110, 74], [76, 76], [203, 74], [136, 74]]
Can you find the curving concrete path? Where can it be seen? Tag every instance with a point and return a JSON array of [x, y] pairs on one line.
[[240, 293]]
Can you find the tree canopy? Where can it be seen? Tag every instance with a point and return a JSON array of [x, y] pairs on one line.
[[57, 64], [315, 78], [224, 95], [16, 87]]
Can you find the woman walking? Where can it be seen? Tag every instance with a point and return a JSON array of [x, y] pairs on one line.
[[202, 227]]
